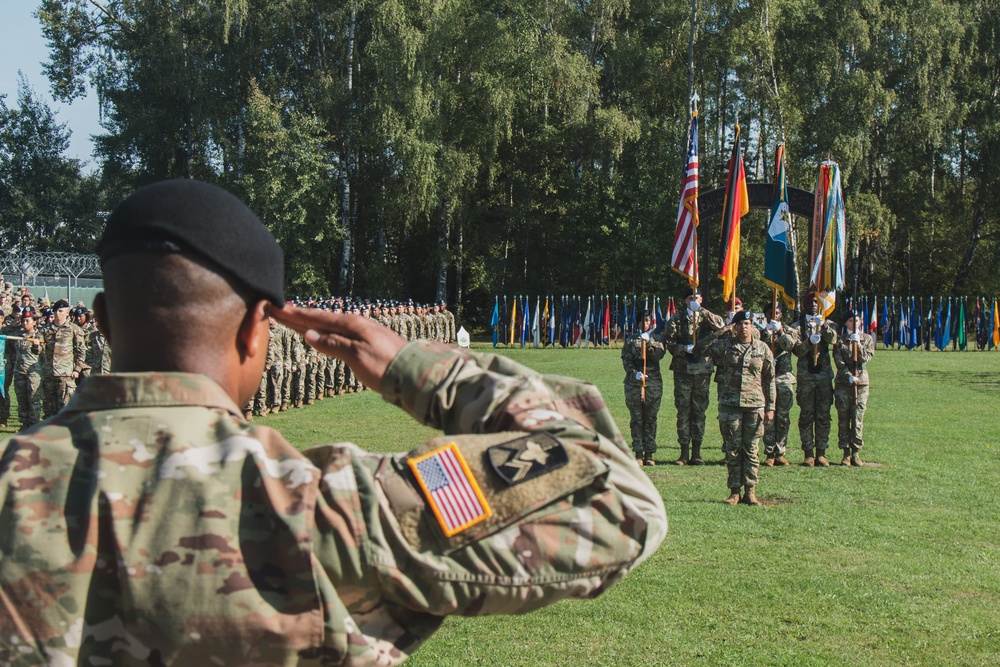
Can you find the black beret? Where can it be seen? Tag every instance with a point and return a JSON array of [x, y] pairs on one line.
[[850, 315], [189, 215], [28, 311], [61, 303], [742, 315], [46, 311], [689, 291]]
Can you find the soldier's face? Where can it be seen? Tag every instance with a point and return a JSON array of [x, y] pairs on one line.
[[743, 331], [850, 324], [61, 315], [647, 323], [777, 315], [29, 324]]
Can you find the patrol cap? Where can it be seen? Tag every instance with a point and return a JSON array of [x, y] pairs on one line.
[[61, 303], [186, 215], [742, 316]]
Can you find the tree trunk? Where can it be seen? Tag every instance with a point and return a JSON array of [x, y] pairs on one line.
[[459, 262], [346, 156], [970, 252], [444, 259]]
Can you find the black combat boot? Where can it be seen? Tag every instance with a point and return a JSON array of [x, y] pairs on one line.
[[683, 460], [696, 454]]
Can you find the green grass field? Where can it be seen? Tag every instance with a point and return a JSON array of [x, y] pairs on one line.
[[897, 564]]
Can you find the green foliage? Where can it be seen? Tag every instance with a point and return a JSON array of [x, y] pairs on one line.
[[46, 203], [528, 146]]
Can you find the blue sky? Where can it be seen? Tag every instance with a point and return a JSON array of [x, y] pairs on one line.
[[23, 48]]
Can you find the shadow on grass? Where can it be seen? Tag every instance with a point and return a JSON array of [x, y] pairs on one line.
[[982, 380]]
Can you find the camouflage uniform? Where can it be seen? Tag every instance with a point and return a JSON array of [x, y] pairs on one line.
[[843, 357], [10, 326], [815, 385], [27, 371], [642, 413], [98, 353], [150, 524], [451, 333], [692, 374], [746, 392], [776, 430], [275, 364], [65, 354]]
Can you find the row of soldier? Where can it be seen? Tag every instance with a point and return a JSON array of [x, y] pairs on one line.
[[295, 374], [50, 349], [687, 338]]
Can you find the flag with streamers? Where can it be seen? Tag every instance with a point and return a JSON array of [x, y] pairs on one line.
[[828, 237]]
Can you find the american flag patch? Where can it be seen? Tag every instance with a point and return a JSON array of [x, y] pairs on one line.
[[450, 488]]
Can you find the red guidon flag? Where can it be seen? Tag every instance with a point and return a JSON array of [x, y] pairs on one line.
[[737, 205], [685, 256]]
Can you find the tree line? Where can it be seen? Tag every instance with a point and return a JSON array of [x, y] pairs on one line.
[[466, 148]]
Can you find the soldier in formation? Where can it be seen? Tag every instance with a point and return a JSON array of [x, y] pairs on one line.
[[851, 354], [781, 343], [692, 372], [815, 336], [746, 399], [641, 356]]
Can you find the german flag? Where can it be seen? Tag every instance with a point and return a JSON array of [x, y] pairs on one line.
[[737, 204]]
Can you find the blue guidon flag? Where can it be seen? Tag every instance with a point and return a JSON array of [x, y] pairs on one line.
[[450, 489]]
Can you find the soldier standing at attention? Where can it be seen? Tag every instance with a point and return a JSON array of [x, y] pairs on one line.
[[692, 372], [65, 358], [776, 430], [852, 354], [815, 380], [746, 399], [191, 534], [641, 356]]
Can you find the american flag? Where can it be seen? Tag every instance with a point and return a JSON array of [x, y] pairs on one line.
[[685, 257], [450, 488]]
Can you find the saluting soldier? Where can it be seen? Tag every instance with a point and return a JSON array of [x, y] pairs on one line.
[[692, 372], [641, 356], [776, 430], [815, 380], [27, 355], [746, 399], [852, 354]]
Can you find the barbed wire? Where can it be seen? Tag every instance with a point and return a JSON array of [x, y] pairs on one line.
[[31, 264]]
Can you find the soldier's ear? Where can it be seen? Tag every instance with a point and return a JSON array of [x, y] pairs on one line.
[[101, 316], [253, 333]]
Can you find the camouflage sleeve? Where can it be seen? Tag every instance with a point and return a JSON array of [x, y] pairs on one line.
[[709, 345], [628, 361], [670, 332], [79, 350], [655, 348], [569, 511], [829, 332], [767, 380], [711, 321], [866, 349], [787, 340], [839, 359]]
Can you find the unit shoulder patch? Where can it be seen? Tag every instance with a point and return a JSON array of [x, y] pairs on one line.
[[527, 458]]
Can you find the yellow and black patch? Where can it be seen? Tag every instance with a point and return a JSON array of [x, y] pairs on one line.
[[526, 458]]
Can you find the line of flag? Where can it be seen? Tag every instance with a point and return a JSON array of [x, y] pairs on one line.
[[567, 321]]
